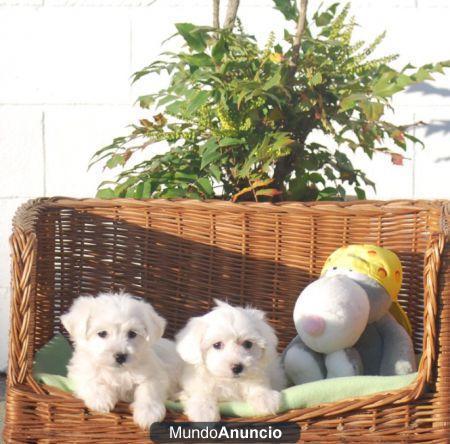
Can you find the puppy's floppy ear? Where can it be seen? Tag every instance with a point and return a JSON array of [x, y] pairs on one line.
[[189, 341], [269, 338], [221, 304], [76, 320], [153, 322]]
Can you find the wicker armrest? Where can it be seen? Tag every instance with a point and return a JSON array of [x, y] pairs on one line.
[[23, 243]]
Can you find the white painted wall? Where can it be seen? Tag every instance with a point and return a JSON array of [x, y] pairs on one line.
[[65, 91]]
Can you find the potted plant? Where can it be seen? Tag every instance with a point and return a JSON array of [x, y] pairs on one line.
[[237, 118]]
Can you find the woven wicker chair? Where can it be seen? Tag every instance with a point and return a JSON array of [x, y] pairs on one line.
[[180, 255]]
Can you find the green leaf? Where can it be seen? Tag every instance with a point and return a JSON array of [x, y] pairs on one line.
[[172, 193], [200, 98], [316, 178], [215, 171], [210, 153], [414, 139], [130, 192], [146, 101], [288, 8], [115, 160], [243, 95], [391, 83], [351, 101], [329, 173], [273, 81], [327, 193], [175, 108], [199, 60], [219, 49], [185, 176], [360, 193], [372, 110], [193, 38], [206, 186], [316, 79], [122, 189], [210, 144], [166, 99], [139, 190], [341, 191], [229, 141], [383, 82], [147, 190], [342, 159], [422, 74], [323, 19], [105, 193]]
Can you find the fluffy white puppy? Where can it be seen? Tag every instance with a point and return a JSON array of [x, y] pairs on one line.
[[230, 355], [120, 355]]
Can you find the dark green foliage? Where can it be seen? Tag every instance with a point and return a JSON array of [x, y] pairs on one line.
[[237, 117]]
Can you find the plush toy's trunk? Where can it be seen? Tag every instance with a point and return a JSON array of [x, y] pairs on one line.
[[180, 255]]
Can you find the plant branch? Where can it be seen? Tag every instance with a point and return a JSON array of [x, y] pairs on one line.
[[216, 14], [231, 14], [413, 125], [284, 166], [301, 24]]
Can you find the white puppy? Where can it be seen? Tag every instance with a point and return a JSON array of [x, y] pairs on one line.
[[231, 355], [120, 355]]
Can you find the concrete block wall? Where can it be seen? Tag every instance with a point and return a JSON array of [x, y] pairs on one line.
[[65, 91]]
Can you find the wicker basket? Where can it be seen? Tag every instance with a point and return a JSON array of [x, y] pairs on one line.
[[182, 254]]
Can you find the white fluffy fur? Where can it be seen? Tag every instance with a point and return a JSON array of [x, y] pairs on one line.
[[208, 378], [149, 374]]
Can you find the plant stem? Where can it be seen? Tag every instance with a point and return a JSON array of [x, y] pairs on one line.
[[231, 14], [216, 14], [301, 24], [253, 191], [285, 165]]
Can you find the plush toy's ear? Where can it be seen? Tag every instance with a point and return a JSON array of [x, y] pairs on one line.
[[76, 320], [189, 341], [153, 322]]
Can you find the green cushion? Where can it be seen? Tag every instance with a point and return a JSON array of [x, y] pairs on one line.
[[51, 361]]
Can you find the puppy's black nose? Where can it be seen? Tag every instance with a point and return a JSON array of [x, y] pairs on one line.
[[121, 357], [237, 368]]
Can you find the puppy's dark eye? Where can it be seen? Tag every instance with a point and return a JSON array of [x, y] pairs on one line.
[[131, 334], [218, 345], [103, 333], [247, 344]]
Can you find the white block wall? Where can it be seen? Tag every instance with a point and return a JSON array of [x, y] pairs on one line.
[[65, 91]]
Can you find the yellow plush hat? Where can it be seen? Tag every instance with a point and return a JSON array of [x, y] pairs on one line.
[[380, 264]]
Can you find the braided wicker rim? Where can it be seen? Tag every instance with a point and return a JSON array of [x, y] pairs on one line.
[[23, 244]]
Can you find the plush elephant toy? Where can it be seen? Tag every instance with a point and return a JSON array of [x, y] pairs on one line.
[[349, 321]]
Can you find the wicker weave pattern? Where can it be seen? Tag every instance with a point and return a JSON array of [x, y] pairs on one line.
[[182, 254]]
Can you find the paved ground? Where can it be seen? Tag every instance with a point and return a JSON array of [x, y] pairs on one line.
[[2, 402]]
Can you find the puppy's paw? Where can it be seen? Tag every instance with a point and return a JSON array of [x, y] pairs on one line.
[[145, 414], [266, 402], [206, 411], [102, 402]]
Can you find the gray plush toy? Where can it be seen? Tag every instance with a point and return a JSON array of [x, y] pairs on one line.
[[349, 321]]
